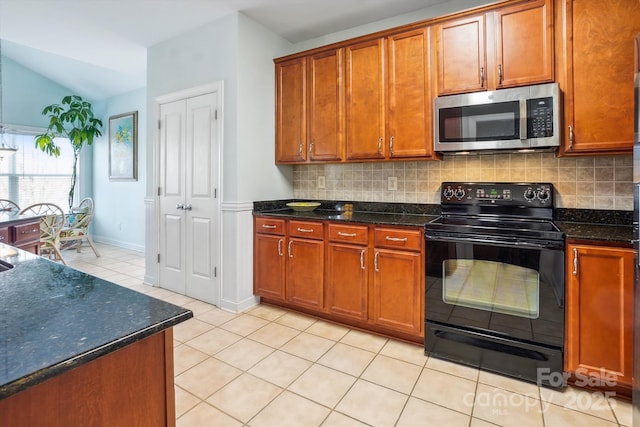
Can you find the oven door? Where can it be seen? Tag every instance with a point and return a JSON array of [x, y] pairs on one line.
[[494, 302]]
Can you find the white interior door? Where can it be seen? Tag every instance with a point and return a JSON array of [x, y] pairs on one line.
[[189, 232]]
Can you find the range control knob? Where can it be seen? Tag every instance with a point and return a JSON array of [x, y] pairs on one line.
[[448, 192], [459, 193], [543, 194], [529, 194]]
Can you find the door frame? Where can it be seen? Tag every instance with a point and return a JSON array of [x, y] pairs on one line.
[[218, 87]]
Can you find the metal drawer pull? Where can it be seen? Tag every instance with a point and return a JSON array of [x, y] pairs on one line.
[[375, 262], [362, 259], [305, 230], [33, 230], [570, 137], [575, 261], [289, 249], [280, 247], [1, 238], [340, 233], [396, 239], [268, 226]]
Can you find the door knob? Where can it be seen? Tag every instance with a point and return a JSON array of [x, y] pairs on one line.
[[187, 207], [180, 206]]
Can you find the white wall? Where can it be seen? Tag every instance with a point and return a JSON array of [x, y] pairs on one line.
[[120, 218]]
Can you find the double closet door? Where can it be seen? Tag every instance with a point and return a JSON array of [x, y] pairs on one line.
[[188, 223]]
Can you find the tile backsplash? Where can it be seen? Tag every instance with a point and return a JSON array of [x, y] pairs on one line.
[[594, 182]]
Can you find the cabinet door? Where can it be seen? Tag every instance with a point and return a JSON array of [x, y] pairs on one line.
[[5, 235], [409, 109], [524, 53], [291, 107], [595, 48], [305, 272], [326, 106], [397, 290], [365, 109], [600, 312], [347, 283], [269, 266], [461, 55]]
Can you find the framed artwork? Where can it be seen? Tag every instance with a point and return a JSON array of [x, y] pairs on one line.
[[123, 147]]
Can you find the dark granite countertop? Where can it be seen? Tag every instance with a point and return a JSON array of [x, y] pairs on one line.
[[606, 226], [400, 214], [54, 318]]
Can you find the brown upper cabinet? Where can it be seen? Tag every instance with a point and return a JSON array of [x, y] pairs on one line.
[[365, 101], [291, 111], [511, 46], [388, 112], [594, 51]]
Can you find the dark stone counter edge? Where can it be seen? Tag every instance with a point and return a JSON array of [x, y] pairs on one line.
[[579, 224], [44, 374]]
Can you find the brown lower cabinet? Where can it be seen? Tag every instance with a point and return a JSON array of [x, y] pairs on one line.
[[132, 386], [366, 276], [599, 329], [22, 233]]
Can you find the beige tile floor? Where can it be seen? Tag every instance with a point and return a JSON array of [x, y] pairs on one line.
[[272, 367]]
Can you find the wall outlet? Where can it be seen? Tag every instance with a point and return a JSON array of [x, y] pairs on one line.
[[392, 183], [321, 182]]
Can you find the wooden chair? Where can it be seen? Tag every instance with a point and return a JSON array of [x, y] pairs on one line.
[[51, 222], [8, 206], [78, 228]]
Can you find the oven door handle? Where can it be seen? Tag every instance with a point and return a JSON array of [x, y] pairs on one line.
[[510, 242]]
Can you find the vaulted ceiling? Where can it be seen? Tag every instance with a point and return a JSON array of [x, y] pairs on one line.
[[97, 48]]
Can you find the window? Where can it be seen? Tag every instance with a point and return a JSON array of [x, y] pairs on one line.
[[32, 176]]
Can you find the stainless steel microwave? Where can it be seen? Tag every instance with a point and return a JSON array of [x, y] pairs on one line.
[[516, 119]]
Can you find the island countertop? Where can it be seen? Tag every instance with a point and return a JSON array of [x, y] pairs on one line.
[[54, 318]]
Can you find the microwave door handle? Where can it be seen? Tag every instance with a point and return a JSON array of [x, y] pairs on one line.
[[523, 119]]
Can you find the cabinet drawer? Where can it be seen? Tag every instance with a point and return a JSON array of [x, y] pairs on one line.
[[356, 234], [28, 232], [270, 226], [306, 229], [399, 238], [5, 235]]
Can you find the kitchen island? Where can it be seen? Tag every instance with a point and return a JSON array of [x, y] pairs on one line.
[[76, 350]]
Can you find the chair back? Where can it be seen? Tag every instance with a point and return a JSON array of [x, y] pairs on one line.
[[82, 214], [51, 221], [8, 206]]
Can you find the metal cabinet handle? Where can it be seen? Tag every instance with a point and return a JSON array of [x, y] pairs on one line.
[[33, 230], [340, 233], [375, 262], [1, 238], [570, 137], [499, 74], [481, 76], [305, 230], [180, 206], [391, 144], [300, 149], [289, 249], [280, 247], [380, 145], [268, 226], [575, 261], [396, 239], [310, 148], [362, 259]]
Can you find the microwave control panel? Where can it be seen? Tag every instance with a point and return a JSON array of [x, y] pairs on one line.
[[540, 117]]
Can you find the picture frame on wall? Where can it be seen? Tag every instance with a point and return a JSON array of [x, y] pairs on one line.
[[123, 147]]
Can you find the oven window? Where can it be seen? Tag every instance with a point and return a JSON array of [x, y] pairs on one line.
[[492, 286]]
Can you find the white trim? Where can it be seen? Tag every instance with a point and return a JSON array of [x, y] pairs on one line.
[[237, 206], [239, 306], [189, 93], [118, 243]]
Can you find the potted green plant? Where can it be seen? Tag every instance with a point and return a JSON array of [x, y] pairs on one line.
[[73, 119]]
